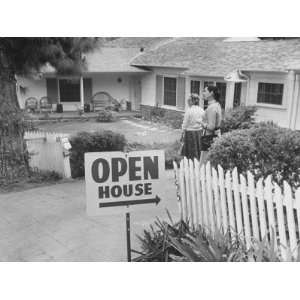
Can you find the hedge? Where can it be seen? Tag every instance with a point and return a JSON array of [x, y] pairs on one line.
[[263, 149], [92, 142]]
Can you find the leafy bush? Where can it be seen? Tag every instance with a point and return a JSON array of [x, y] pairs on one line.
[[241, 117], [92, 142], [104, 116], [263, 149]]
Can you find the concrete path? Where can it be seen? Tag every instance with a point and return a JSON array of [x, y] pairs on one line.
[[50, 224]]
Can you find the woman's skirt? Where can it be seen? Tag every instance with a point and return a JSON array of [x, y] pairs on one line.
[[192, 144]]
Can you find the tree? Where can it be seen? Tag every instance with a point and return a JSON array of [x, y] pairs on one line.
[[26, 56]]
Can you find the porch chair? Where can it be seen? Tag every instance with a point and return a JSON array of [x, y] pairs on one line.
[[104, 100], [31, 104], [45, 104]]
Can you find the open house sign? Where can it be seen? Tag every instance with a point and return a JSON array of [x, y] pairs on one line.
[[118, 181]]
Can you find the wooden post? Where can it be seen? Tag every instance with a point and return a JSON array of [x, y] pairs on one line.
[[128, 236]]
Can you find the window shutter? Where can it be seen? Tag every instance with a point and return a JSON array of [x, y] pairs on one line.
[[159, 90], [52, 92], [181, 93], [87, 88]]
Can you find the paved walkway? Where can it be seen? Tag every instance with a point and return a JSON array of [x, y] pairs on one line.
[[50, 224]]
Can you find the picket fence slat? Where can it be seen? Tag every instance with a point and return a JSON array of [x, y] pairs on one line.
[[229, 201], [261, 208], [297, 206], [204, 198], [237, 201], [198, 191], [270, 206], [210, 198], [182, 191], [217, 203], [254, 210], [245, 211], [281, 222], [290, 215], [193, 193], [223, 198], [188, 189]]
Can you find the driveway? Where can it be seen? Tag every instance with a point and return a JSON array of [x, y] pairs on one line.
[[50, 224]]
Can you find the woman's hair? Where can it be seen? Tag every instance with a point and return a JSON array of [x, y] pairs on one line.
[[195, 99], [215, 90]]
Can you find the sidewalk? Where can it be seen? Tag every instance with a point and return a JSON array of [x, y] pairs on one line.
[[50, 224]]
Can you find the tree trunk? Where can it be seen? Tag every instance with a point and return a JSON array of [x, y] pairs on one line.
[[13, 154]]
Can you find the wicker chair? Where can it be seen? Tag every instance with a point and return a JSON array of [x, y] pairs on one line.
[[45, 104], [31, 104], [104, 100]]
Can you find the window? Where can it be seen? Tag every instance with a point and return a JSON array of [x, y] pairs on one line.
[[170, 91], [222, 89], [195, 87], [270, 93], [237, 94], [69, 90]]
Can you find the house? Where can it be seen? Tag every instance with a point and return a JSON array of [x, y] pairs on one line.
[[162, 72]]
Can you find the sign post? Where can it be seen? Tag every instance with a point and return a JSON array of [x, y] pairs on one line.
[[118, 182]]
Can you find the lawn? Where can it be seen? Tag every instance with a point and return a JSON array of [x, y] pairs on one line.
[[135, 130]]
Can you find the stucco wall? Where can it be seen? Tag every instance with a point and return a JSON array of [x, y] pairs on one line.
[[148, 89], [265, 112], [109, 83]]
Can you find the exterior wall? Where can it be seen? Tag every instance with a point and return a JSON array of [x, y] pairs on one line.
[[34, 88], [100, 82], [268, 112], [109, 83], [148, 89]]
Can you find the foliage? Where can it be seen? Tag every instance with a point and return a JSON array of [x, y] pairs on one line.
[[27, 57], [92, 142], [263, 149], [241, 117], [182, 243], [104, 115]]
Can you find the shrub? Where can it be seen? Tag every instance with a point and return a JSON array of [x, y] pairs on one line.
[[241, 117], [104, 116], [263, 149], [180, 242], [92, 142]]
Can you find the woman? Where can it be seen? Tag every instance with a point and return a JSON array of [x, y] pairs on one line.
[[213, 116], [192, 128]]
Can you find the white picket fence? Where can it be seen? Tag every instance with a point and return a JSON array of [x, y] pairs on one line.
[[254, 210], [49, 151]]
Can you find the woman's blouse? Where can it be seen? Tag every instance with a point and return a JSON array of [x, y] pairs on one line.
[[192, 118], [213, 116]]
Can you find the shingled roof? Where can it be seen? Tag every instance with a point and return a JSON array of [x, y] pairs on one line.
[[112, 60], [215, 57], [137, 42]]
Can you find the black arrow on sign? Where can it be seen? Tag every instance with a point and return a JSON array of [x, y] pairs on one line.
[[130, 202]]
